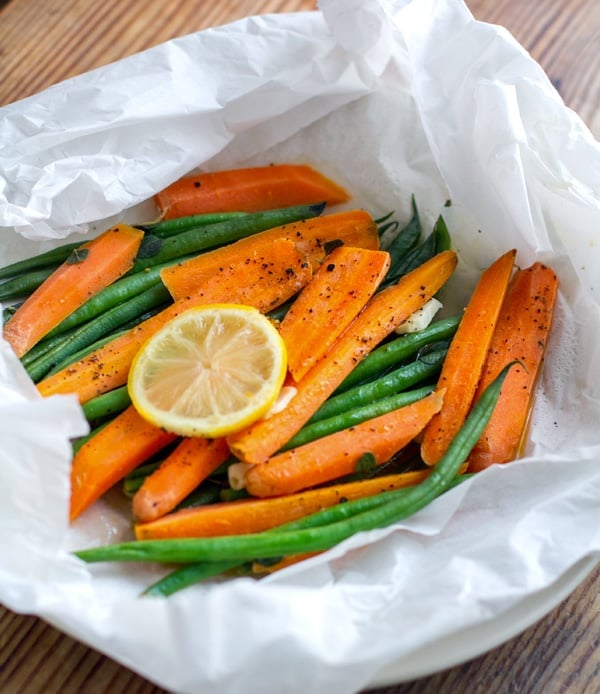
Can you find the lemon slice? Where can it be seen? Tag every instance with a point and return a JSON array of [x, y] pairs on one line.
[[210, 371]]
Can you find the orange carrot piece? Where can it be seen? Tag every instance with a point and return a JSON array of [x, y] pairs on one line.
[[92, 267], [382, 314], [189, 464], [248, 190], [337, 455], [325, 307], [354, 228], [116, 450], [521, 334], [464, 362], [255, 515], [108, 367]]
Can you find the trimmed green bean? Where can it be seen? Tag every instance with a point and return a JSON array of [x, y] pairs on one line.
[[53, 258], [115, 294], [84, 351], [190, 574], [8, 313], [106, 404], [155, 251], [437, 241], [107, 322], [397, 350], [23, 285], [285, 542], [398, 380], [44, 346], [170, 227], [403, 242], [354, 415]]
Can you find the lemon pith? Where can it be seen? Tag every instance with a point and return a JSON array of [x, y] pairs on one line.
[[210, 371]]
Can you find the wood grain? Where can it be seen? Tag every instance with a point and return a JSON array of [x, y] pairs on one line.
[[42, 43]]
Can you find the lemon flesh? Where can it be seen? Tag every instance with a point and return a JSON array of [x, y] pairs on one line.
[[210, 371]]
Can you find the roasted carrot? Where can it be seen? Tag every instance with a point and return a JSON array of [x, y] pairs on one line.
[[109, 455], [382, 314], [189, 464], [254, 515], [248, 190], [521, 335], [89, 268], [339, 454], [252, 284], [466, 354], [329, 302], [353, 228]]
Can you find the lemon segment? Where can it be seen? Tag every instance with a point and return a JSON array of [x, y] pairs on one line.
[[210, 371]]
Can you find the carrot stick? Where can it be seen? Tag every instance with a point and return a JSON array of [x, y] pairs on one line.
[[353, 228], [382, 314], [521, 334], [248, 190], [329, 302], [464, 362], [254, 515], [192, 461], [108, 367], [118, 448], [90, 268], [336, 455]]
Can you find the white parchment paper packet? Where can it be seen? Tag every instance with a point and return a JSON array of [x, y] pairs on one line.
[[391, 99]]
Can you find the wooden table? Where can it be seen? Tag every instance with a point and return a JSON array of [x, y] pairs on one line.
[[42, 43]]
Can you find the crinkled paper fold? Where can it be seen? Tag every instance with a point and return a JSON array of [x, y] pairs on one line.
[[391, 99]]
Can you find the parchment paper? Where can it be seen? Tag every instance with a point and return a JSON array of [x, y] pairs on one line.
[[391, 99]]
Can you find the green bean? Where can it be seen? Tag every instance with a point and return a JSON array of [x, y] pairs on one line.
[[155, 251], [114, 294], [83, 352], [23, 285], [190, 574], [285, 542], [8, 313], [88, 333], [106, 404], [170, 227], [404, 241], [52, 258], [437, 241], [397, 350], [394, 382], [316, 429], [44, 346]]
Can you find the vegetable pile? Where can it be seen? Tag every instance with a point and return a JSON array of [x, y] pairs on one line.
[[384, 406]]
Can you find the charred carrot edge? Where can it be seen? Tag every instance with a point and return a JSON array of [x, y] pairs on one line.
[[467, 352], [329, 302], [353, 228], [521, 334], [108, 367], [189, 464], [112, 453], [90, 268], [254, 515], [382, 314], [337, 455], [248, 190]]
